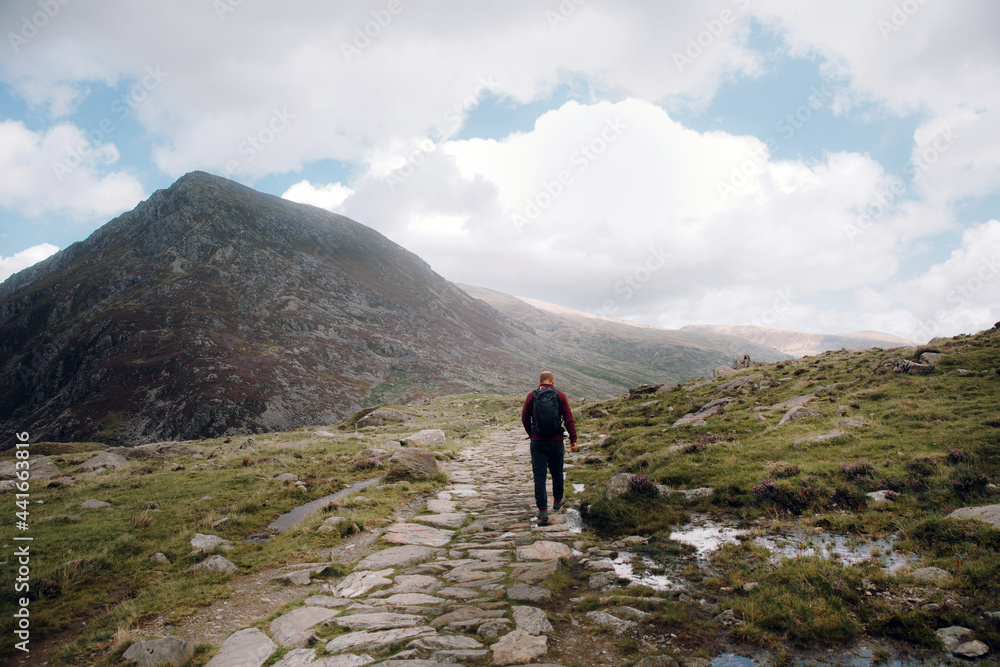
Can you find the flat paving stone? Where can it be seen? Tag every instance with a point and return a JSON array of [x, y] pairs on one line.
[[372, 641], [294, 628], [413, 533], [396, 557], [246, 648]]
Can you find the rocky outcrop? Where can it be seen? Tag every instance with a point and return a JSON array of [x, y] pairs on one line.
[[384, 416], [159, 652], [706, 411], [430, 437], [797, 413]]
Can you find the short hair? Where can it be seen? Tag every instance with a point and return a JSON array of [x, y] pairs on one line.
[[546, 378]]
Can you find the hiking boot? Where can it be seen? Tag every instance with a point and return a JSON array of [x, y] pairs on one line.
[[543, 518], [556, 505]]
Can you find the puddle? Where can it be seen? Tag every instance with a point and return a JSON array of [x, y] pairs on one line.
[[706, 536], [848, 550], [574, 522], [578, 488], [732, 660], [647, 577]]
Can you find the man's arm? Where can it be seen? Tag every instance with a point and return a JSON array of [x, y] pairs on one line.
[[527, 411], [567, 414]]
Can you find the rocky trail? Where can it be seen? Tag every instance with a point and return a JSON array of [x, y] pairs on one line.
[[457, 586]]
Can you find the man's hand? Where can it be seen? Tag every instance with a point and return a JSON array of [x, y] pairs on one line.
[[572, 446]]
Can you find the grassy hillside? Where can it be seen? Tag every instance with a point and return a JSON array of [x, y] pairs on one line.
[[931, 439]]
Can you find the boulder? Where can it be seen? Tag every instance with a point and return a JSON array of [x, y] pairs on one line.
[[988, 513], [798, 412], [882, 496], [414, 463], [384, 416], [104, 460], [739, 384], [206, 544], [518, 647], [794, 401], [93, 504], [723, 371], [39, 467], [973, 649], [431, 437], [643, 389], [246, 648], [544, 550], [606, 620], [930, 358], [157, 652], [954, 636], [618, 485], [215, 564], [667, 387], [900, 365]]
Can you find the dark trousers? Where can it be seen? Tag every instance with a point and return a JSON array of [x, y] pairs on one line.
[[547, 455]]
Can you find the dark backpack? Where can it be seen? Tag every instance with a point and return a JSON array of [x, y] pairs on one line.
[[547, 421]]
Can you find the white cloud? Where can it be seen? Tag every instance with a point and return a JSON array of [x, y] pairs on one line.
[[22, 260], [62, 170], [329, 196]]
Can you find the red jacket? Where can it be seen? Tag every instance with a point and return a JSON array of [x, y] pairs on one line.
[[528, 412]]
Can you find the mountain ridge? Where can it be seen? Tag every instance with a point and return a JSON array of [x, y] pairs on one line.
[[803, 343]]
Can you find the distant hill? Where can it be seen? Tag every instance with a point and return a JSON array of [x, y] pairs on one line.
[[622, 351], [802, 344], [212, 309]]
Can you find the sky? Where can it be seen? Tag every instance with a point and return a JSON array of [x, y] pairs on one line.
[[825, 167]]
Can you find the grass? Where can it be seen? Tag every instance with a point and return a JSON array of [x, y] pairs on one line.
[[99, 567]]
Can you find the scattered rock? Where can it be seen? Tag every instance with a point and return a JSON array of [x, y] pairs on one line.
[[39, 467], [135, 453], [723, 371], [900, 365], [532, 620], [727, 618], [832, 435], [246, 648], [606, 620], [527, 593], [930, 358], [544, 550], [93, 504], [206, 544], [739, 384], [157, 652], [988, 513], [518, 647], [415, 463], [973, 649], [160, 558], [793, 402], [954, 636], [853, 423], [798, 412], [287, 477], [642, 390], [215, 564], [882, 496], [667, 387], [430, 437], [618, 485], [493, 628], [294, 629], [384, 416], [104, 460], [706, 410]]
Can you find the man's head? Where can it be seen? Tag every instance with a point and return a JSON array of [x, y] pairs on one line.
[[546, 378]]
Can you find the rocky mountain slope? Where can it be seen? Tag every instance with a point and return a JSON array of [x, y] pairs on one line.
[[212, 309], [801, 343]]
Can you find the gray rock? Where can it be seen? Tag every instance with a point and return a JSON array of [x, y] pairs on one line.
[[298, 658], [246, 648], [445, 643], [727, 618], [444, 519], [286, 477], [396, 557], [360, 582], [93, 504], [157, 652], [723, 371], [532, 620], [215, 564], [327, 601], [544, 550], [414, 463], [206, 544], [385, 416], [954, 636], [988, 513], [930, 358], [798, 412], [792, 402], [493, 628], [518, 647], [643, 389], [39, 467], [882, 496], [431, 437], [372, 641], [160, 558], [606, 620], [618, 485], [706, 410], [379, 621], [293, 630], [602, 580], [832, 435], [104, 460], [853, 423], [527, 593], [667, 387], [973, 649]]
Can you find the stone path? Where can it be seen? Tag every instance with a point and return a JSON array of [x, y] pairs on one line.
[[455, 587]]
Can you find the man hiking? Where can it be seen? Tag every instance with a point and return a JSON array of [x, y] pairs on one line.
[[544, 412]]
